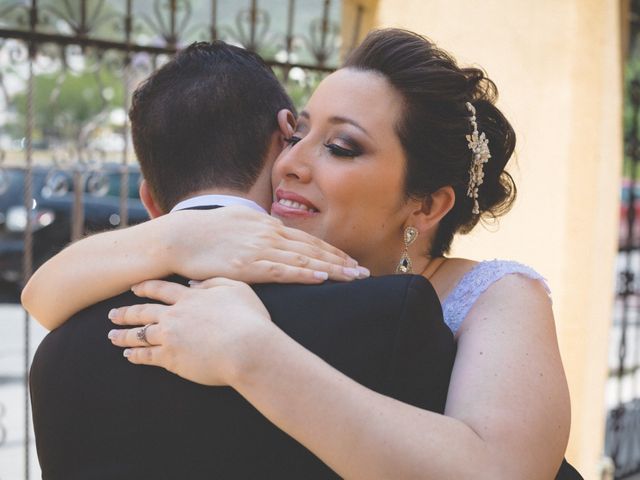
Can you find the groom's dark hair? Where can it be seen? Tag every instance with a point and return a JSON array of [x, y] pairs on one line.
[[205, 120]]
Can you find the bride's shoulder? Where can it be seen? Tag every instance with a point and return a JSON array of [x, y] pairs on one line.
[[470, 271], [506, 275], [462, 282]]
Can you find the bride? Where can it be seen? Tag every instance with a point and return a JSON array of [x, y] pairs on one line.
[[394, 154]]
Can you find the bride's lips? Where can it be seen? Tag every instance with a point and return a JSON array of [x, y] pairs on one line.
[[289, 204]]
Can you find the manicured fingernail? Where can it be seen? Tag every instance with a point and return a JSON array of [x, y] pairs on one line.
[[352, 263], [127, 352], [112, 334], [194, 282], [351, 272], [321, 275], [364, 272], [112, 314]]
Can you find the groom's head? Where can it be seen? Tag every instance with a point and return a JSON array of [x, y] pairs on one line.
[[206, 120]]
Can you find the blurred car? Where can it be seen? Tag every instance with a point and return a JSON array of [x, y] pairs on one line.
[[52, 211]]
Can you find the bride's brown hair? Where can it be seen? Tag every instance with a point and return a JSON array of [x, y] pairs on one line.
[[435, 123]]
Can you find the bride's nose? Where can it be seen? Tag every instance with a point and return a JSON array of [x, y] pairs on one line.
[[294, 163]]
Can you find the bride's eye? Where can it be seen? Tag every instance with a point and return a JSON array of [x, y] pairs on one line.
[[292, 140], [340, 151]]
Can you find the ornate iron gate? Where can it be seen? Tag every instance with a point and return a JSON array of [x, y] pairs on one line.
[[102, 49], [622, 441]]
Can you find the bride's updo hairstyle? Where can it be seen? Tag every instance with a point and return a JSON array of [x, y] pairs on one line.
[[435, 123]]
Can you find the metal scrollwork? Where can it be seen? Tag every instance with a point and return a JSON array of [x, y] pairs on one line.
[[18, 53], [251, 28], [17, 11], [323, 38], [79, 18], [68, 68], [622, 443], [168, 19]]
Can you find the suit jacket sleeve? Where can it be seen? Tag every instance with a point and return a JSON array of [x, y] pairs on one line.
[[423, 350]]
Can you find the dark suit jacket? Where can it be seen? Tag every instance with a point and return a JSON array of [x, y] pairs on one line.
[[96, 416]]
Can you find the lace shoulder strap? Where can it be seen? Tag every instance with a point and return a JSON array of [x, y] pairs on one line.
[[473, 284]]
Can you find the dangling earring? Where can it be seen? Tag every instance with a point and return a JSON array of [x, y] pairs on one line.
[[410, 235]]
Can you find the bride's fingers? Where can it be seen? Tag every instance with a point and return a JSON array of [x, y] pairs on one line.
[[163, 291], [144, 355], [142, 314], [315, 252], [328, 249], [266, 271], [335, 272], [133, 337], [214, 282]]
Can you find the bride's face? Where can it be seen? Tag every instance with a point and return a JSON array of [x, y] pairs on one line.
[[342, 176]]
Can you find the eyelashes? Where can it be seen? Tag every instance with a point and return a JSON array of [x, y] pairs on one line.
[[292, 140], [335, 150], [339, 151]]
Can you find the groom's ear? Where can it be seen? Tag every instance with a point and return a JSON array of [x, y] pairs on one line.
[[147, 200], [286, 122]]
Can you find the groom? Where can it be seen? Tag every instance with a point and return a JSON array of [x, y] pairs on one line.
[[206, 134]]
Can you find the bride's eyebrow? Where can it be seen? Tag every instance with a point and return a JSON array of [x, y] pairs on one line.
[[337, 120], [304, 114]]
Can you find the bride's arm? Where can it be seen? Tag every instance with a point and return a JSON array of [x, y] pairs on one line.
[[93, 269], [234, 242], [507, 412]]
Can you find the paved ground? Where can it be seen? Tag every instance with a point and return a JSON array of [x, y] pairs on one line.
[[12, 393]]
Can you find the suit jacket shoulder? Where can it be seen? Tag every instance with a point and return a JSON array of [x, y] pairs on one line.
[[98, 416]]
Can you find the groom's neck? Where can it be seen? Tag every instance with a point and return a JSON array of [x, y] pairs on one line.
[[262, 198], [260, 192]]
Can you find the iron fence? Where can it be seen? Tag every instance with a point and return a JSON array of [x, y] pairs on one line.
[[622, 442], [67, 69], [93, 51]]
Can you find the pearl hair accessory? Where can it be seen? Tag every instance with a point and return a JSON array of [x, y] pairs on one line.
[[479, 145]]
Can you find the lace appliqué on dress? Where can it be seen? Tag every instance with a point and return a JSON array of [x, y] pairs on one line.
[[473, 284]]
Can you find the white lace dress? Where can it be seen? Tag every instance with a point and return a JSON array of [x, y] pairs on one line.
[[457, 304]]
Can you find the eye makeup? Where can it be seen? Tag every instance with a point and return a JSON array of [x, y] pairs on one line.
[[350, 148]]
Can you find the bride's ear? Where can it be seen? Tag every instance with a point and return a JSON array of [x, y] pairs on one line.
[[433, 208], [286, 122]]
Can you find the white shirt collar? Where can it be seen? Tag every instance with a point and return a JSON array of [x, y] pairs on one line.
[[222, 200]]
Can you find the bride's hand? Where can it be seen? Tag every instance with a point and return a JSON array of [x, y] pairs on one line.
[[207, 336], [242, 244]]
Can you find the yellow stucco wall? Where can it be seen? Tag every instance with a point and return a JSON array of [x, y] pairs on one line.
[[557, 64]]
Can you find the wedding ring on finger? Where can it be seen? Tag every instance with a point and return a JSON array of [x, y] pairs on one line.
[[141, 335]]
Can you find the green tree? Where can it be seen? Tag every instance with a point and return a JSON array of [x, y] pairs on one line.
[[64, 105]]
